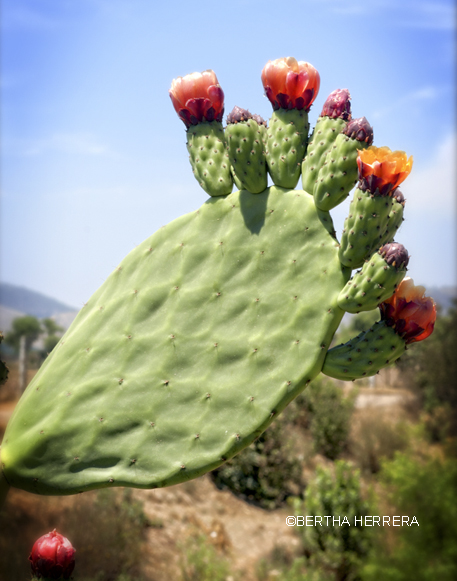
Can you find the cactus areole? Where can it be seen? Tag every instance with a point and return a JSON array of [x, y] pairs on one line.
[[208, 329]]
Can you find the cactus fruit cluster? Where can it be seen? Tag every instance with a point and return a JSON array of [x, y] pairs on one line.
[[215, 323]]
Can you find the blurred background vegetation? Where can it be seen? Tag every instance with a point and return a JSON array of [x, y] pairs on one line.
[[328, 453]]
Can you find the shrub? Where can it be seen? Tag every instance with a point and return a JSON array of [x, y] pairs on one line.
[[426, 489], [202, 562], [374, 438], [332, 547], [297, 569], [330, 412], [266, 473]]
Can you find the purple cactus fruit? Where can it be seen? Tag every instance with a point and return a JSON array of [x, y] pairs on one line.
[[359, 129], [338, 105], [395, 254], [238, 114], [398, 195]]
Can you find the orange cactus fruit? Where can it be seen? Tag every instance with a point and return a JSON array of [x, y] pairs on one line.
[[381, 170], [411, 314], [290, 84], [197, 97]]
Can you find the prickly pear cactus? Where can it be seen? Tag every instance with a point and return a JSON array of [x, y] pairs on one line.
[[209, 328]]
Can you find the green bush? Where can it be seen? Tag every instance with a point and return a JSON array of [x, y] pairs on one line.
[[376, 437], [332, 547], [202, 562], [297, 569], [431, 367], [330, 416], [426, 489], [266, 473]]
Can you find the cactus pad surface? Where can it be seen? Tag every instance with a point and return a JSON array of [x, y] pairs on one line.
[[185, 354]]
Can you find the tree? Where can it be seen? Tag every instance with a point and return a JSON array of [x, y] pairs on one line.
[[28, 327], [53, 331], [25, 330]]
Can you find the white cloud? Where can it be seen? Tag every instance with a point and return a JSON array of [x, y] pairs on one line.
[[432, 187]]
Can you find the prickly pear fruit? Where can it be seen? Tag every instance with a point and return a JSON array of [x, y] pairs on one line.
[[363, 228], [209, 159], [338, 174], [199, 101], [52, 557], [409, 312], [287, 138], [332, 120], [365, 354], [380, 172], [377, 280], [395, 217], [407, 316], [245, 146], [291, 87]]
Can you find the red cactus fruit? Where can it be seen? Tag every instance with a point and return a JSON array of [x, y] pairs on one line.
[[52, 557], [197, 97], [290, 84], [411, 314]]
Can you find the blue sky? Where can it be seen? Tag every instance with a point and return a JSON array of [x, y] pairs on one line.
[[93, 155]]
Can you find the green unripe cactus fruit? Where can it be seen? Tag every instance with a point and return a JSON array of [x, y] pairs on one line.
[[363, 228], [366, 354], [395, 217], [323, 136], [209, 159], [338, 174], [245, 148], [287, 138], [332, 120], [377, 280]]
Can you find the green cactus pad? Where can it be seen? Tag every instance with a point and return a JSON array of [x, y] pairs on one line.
[[246, 154], [370, 286], [364, 355], [322, 138], [184, 355], [209, 159], [287, 138], [338, 174], [364, 227]]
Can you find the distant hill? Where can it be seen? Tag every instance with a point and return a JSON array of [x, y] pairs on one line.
[[30, 302], [442, 296]]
